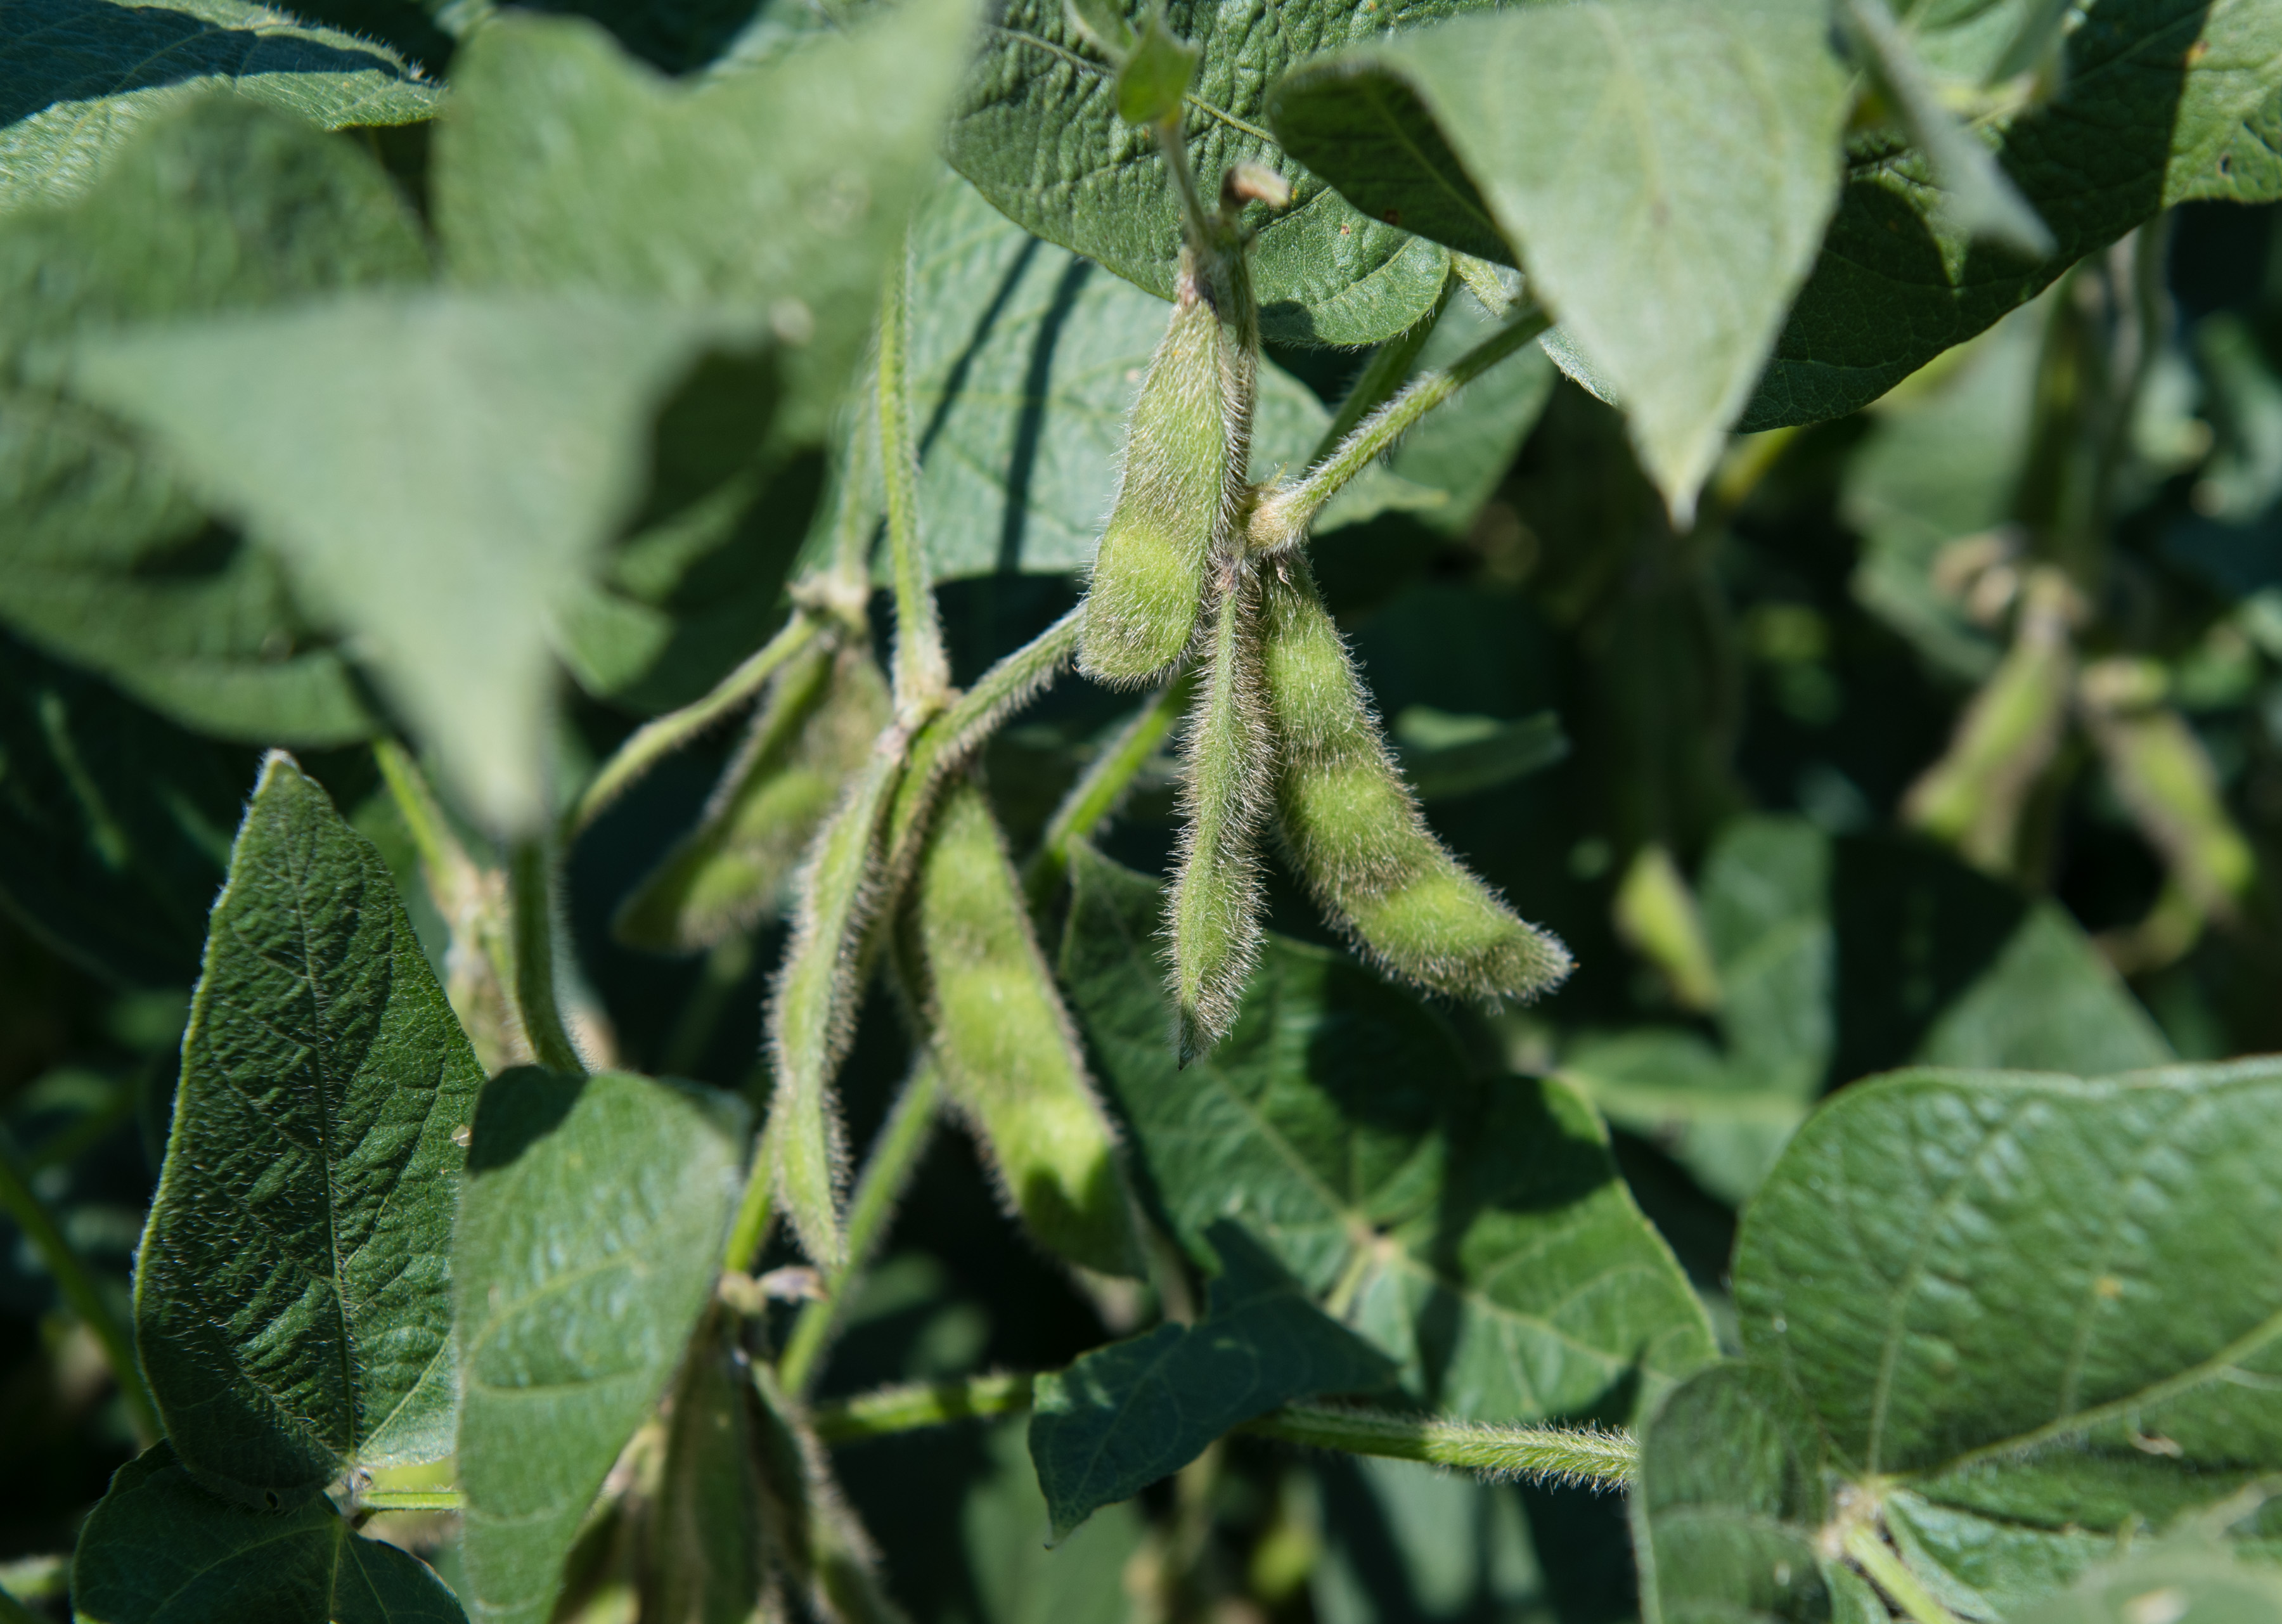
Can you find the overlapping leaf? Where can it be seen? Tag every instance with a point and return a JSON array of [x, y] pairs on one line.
[[1475, 1232], [294, 1296]]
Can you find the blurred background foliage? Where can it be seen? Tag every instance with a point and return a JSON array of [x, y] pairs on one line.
[[1950, 732]]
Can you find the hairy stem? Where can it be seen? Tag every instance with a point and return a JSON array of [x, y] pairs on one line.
[[1282, 516], [919, 1406], [1382, 375], [751, 1227], [661, 735], [886, 1171], [922, 673], [1103, 785], [78, 1287], [532, 908]]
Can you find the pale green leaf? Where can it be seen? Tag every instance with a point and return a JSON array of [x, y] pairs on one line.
[[512, 432], [160, 1550], [1662, 170], [78, 77], [589, 1236], [293, 1295], [2187, 1582], [1477, 1231]]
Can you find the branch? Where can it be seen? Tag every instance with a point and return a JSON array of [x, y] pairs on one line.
[[530, 882]]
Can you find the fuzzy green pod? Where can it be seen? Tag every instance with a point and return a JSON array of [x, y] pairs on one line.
[[1186, 451], [811, 734], [812, 1014], [1353, 829], [1215, 902], [1009, 1055]]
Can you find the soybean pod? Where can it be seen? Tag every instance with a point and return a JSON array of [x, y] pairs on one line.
[[1224, 789], [1010, 1058], [1353, 829]]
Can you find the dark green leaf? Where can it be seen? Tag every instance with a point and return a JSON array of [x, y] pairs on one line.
[[293, 1295], [589, 1237], [1154, 79], [705, 1564], [1038, 132], [1475, 1231], [78, 77], [161, 1549], [1637, 156], [1124, 1416], [565, 166], [105, 559]]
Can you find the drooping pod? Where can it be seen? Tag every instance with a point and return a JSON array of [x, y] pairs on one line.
[[1225, 793], [1353, 829], [1010, 1058], [809, 735], [1181, 488]]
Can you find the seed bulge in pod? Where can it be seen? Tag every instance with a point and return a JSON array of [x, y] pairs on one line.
[[1148, 577], [1353, 829], [1010, 1058], [811, 733]]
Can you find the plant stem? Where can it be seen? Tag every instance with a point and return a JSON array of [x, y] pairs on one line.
[[661, 735], [1382, 375], [922, 673], [921, 1405], [1203, 222], [1282, 516], [1876, 1558], [894, 1156], [1103, 785], [411, 1500], [751, 1227], [78, 1287], [531, 910]]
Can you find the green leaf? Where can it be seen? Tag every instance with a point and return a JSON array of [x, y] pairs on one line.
[[1122, 1417], [160, 1550], [564, 165], [1154, 79], [292, 1301], [2021, 1317], [589, 1235], [1477, 1231], [105, 559], [1662, 172], [78, 77], [515, 436], [2160, 101], [1037, 131], [114, 824], [2186, 1580], [705, 1564]]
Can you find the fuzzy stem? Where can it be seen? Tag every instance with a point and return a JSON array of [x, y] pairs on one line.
[[1103, 785], [661, 735], [1202, 221], [895, 1155], [1382, 375], [923, 1404], [1873, 1556], [532, 907], [751, 1227], [922, 673], [1282, 516], [77, 1288]]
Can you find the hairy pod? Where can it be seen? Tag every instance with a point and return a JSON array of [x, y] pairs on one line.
[[1179, 493], [1215, 900], [1010, 1057], [2166, 781], [812, 1007], [1353, 829], [811, 734]]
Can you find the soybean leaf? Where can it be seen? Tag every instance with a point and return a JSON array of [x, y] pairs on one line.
[[1662, 173], [2182, 1580], [1038, 132], [292, 1302], [1122, 1417], [706, 1562], [588, 1238], [564, 165], [1477, 1231], [113, 823], [2023, 1315], [513, 437], [2160, 101], [158, 1547], [78, 77], [104, 558]]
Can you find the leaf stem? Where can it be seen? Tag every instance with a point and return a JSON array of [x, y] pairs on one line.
[[922, 673], [411, 1500], [1103, 785], [1876, 1558], [751, 1227], [78, 1287], [923, 1404], [661, 735], [1282, 516], [530, 883], [1382, 375], [886, 1171]]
